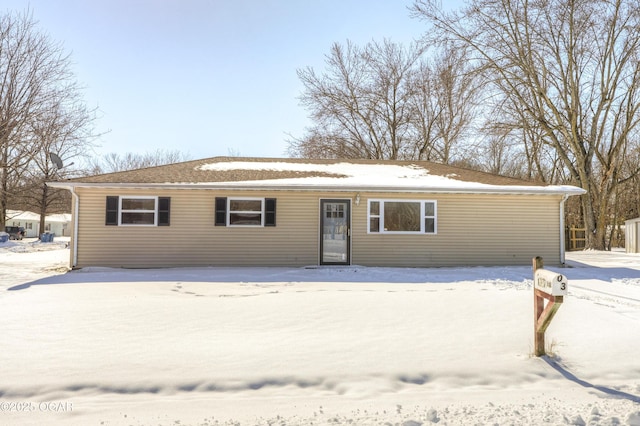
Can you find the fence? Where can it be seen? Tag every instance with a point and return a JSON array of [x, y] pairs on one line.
[[577, 238]]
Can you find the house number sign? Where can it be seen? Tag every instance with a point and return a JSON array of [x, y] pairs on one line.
[[550, 282], [550, 287]]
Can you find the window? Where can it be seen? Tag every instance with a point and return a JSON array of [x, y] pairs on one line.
[[137, 211], [245, 211], [402, 217], [142, 210]]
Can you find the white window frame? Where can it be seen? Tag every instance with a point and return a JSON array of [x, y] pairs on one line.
[[138, 197], [229, 211], [423, 216]]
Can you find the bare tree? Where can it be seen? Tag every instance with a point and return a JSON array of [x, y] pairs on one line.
[[34, 71], [114, 162], [320, 142], [64, 128], [385, 101], [573, 66], [501, 156], [516, 147], [444, 103], [360, 104], [626, 203]]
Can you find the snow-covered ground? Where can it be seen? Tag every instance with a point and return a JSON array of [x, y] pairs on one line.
[[298, 346]]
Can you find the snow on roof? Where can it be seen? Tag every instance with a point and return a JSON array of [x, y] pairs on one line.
[[60, 217], [381, 176], [22, 215], [282, 174], [35, 217], [343, 173]]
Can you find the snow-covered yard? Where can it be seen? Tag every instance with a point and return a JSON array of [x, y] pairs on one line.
[[287, 346]]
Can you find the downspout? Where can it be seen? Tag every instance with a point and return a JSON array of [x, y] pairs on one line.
[[76, 210], [562, 237]]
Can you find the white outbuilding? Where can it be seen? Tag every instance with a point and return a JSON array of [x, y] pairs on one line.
[[631, 234]]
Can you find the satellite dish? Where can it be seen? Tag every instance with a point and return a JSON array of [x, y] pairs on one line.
[[56, 160]]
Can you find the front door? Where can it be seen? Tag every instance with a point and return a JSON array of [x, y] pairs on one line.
[[335, 232]]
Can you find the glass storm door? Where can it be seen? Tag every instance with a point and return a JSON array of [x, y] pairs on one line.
[[335, 232]]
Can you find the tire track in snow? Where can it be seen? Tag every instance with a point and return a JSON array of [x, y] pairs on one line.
[[605, 293]]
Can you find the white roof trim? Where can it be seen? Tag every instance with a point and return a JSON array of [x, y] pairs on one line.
[[472, 188]]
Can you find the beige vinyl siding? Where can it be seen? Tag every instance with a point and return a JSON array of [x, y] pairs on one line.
[[192, 239], [473, 229]]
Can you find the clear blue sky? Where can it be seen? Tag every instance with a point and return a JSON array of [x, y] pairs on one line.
[[207, 76]]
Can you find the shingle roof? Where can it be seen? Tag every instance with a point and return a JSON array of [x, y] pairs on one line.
[[282, 172]]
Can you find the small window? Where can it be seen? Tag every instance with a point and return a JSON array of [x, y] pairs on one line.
[[245, 211], [430, 217], [137, 211], [374, 216], [402, 216]]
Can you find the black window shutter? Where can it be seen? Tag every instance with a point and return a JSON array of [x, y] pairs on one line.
[[269, 212], [221, 211], [111, 217], [164, 207]]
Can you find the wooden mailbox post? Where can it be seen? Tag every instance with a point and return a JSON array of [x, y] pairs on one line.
[[546, 285]]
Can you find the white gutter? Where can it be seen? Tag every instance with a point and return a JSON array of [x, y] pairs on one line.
[[562, 237], [76, 211], [257, 186]]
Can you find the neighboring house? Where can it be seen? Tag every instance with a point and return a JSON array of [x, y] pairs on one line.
[[295, 212], [30, 221], [59, 224]]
